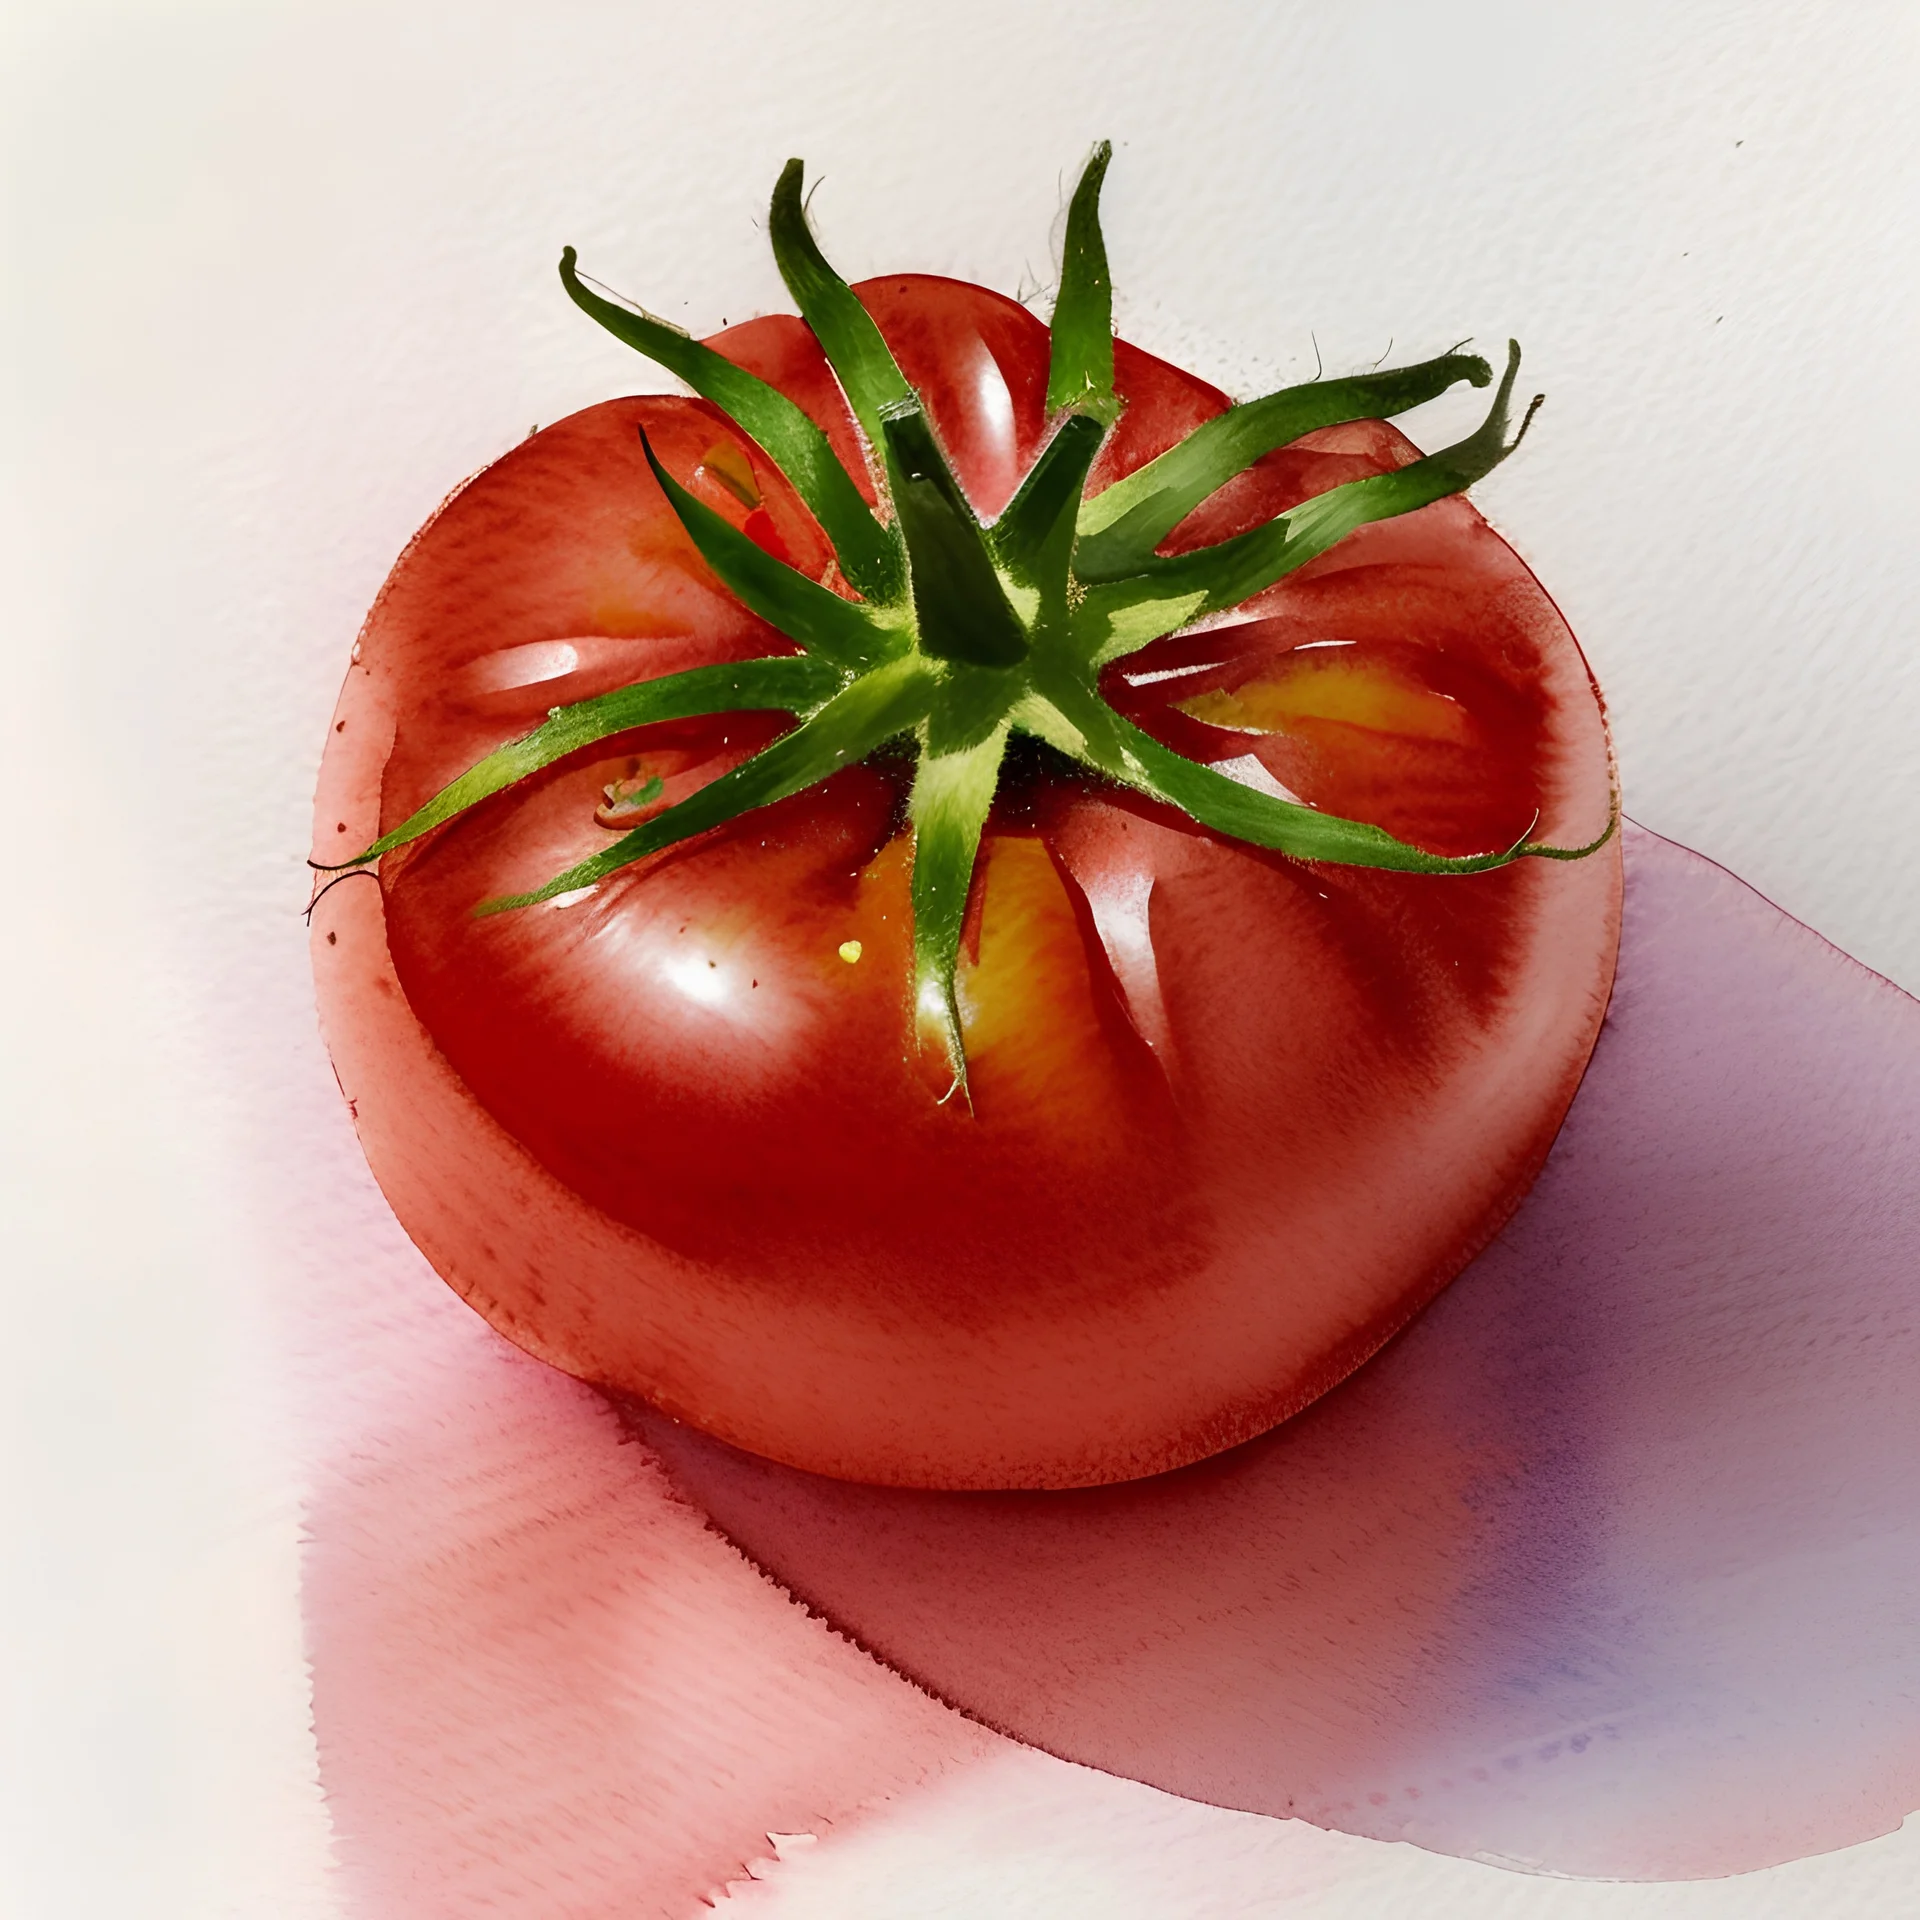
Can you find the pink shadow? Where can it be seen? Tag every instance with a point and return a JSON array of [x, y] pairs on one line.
[[543, 1687], [1609, 1566]]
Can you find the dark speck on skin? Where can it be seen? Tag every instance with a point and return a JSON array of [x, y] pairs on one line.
[[333, 939]]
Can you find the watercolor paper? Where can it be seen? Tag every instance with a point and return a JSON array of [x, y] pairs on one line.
[[286, 277]]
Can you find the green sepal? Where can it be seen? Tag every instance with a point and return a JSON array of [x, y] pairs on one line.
[[1080, 369], [1122, 525], [959, 603], [1008, 625], [888, 701], [787, 683], [952, 796], [861, 360], [1034, 538], [1088, 730], [842, 631], [867, 553], [1265, 820], [1118, 617]]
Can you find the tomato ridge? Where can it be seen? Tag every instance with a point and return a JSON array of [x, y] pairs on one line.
[[965, 634]]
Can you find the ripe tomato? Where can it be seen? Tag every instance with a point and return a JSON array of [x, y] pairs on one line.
[[1232, 1118]]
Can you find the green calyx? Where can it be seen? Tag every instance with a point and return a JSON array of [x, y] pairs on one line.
[[965, 633]]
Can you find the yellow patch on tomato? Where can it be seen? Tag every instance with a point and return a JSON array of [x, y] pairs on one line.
[[726, 465], [1338, 684], [1035, 1045]]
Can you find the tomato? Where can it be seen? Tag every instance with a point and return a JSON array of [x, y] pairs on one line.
[[1229, 1117]]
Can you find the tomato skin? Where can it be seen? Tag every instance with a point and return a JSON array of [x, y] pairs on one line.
[[1234, 1118]]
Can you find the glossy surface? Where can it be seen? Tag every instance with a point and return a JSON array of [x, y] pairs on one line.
[[1607, 1567], [1235, 1119]]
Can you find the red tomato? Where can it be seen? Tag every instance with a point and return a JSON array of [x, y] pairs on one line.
[[1234, 1117]]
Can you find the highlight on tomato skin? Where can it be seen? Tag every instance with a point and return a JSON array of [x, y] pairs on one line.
[[1230, 1119]]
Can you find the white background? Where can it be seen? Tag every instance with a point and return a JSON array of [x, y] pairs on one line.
[[279, 276]]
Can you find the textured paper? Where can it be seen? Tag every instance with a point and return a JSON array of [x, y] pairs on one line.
[[283, 275]]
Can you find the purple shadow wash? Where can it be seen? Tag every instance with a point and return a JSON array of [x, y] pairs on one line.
[[1609, 1566]]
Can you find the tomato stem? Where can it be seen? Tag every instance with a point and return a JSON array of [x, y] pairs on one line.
[[965, 634], [959, 601]]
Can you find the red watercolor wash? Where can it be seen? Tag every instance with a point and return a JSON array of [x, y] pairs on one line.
[[1235, 1119], [542, 1686], [1610, 1565], [1607, 1566]]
